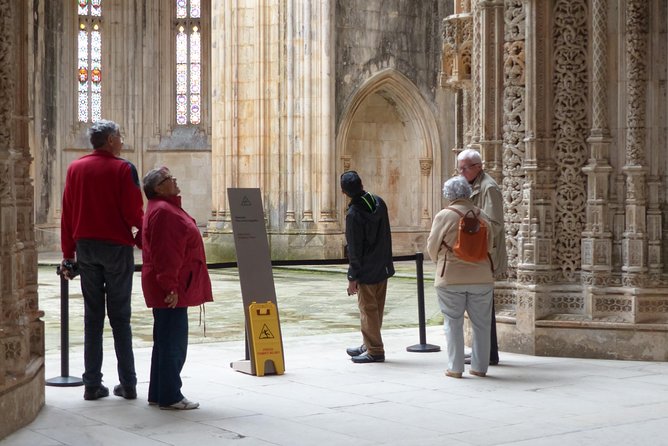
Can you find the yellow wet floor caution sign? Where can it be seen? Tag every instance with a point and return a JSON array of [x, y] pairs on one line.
[[266, 336]]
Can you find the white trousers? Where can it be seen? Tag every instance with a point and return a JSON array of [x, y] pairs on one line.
[[476, 300]]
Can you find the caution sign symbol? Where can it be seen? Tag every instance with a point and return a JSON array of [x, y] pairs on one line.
[[245, 201], [265, 333]]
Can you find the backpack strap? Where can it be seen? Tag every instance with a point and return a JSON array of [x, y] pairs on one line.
[[456, 211], [448, 247]]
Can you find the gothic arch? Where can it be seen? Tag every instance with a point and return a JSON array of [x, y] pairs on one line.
[[388, 133]]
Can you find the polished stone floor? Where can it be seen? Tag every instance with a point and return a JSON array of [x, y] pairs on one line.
[[325, 399]]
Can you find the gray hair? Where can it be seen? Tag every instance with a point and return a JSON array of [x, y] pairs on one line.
[[456, 188], [471, 155], [100, 131], [152, 179]]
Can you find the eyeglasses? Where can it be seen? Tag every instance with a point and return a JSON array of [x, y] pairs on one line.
[[464, 169], [168, 177]]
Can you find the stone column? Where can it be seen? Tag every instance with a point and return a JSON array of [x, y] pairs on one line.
[[329, 183], [514, 97], [425, 175], [21, 330], [491, 82], [474, 95], [634, 243], [570, 150], [536, 235], [307, 84], [597, 236], [290, 42]]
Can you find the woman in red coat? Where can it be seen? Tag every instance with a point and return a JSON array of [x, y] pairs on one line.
[[174, 277]]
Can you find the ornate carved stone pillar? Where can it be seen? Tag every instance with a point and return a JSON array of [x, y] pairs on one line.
[[654, 230], [21, 330], [634, 243], [456, 67], [456, 55], [597, 236], [514, 98], [570, 131], [425, 176], [536, 236], [491, 81], [474, 96]]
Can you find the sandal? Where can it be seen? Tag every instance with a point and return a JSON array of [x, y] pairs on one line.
[[480, 374]]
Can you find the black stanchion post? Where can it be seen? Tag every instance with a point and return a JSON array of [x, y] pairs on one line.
[[64, 380], [422, 347]]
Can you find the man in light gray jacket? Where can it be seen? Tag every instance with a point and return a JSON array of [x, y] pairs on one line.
[[487, 196]]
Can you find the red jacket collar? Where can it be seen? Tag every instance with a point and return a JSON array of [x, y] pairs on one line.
[[173, 199]]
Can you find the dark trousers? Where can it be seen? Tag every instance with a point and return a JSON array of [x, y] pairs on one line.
[[106, 283], [494, 343], [170, 346]]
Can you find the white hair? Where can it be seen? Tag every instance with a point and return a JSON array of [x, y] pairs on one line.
[[471, 155], [455, 188]]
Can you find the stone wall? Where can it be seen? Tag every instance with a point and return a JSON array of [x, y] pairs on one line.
[[375, 35], [307, 90]]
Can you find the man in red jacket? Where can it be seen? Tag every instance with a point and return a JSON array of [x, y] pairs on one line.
[[102, 209]]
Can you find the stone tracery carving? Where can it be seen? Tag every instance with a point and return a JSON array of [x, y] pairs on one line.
[[456, 56], [570, 129], [514, 94]]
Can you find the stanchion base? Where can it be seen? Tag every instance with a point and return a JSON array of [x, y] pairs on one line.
[[423, 348], [64, 381]]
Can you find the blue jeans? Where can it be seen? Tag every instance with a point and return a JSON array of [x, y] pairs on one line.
[[106, 282], [476, 300], [170, 346]]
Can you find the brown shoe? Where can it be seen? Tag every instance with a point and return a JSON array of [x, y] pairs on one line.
[[475, 373]]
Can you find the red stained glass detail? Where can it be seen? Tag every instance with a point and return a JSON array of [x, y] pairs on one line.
[[83, 75], [82, 3], [96, 76]]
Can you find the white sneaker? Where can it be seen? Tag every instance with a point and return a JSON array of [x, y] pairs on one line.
[[184, 404]]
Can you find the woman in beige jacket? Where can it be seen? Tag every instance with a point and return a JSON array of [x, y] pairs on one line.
[[461, 285]]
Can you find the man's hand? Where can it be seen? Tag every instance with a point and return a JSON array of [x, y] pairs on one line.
[[352, 287], [172, 299], [67, 269]]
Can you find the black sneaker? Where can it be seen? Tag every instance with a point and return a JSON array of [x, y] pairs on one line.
[[127, 392], [95, 392], [366, 357], [356, 351]]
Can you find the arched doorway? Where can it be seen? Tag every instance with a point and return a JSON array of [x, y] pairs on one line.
[[389, 135]]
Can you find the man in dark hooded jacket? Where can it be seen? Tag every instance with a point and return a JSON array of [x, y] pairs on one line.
[[370, 263]]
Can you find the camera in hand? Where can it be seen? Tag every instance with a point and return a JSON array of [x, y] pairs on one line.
[[72, 269]]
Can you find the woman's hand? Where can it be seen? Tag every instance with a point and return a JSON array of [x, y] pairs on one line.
[[172, 299]]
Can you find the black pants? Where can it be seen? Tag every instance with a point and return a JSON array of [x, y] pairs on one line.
[[493, 345], [106, 283]]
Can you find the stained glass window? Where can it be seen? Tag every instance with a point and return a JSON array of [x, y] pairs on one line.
[[89, 71], [188, 46]]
